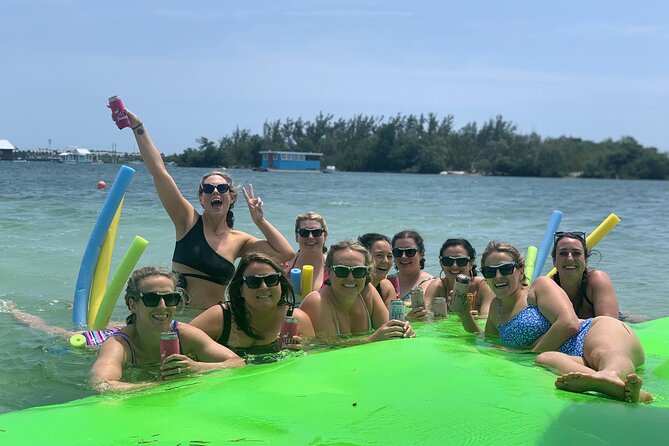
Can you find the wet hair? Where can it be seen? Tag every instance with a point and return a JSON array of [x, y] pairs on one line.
[[240, 314], [580, 296], [506, 248], [306, 216], [415, 236], [132, 289], [471, 252], [367, 240], [353, 246], [230, 216]]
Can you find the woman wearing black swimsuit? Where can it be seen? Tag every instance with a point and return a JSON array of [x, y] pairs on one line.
[[207, 245]]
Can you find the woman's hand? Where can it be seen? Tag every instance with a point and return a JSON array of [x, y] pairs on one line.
[[418, 314], [255, 205], [295, 344], [391, 330], [177, 366], [134, 119]]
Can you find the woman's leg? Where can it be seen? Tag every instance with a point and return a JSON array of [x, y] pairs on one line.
[[561, 363]]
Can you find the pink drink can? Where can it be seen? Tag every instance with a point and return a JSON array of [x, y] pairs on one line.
[[288, 330], [169, 344], [460, 290], [118, 112], [397, 310], [439, 307], [396, 283]]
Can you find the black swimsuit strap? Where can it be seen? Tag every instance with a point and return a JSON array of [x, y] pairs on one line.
[[227, 326]]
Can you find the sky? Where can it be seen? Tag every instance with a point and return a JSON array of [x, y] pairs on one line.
[[585, 69]]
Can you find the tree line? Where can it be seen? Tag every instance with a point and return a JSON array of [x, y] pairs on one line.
[[427, 144]]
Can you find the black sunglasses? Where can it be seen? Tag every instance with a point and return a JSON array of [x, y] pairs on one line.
[[304, 233], [209, 188], [409, 252], [254, 282], [505, 269], [342, 271], [448, 261], [571, 234], [152, 299]]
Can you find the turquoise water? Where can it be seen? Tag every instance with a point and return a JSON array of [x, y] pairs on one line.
[[47, 212]]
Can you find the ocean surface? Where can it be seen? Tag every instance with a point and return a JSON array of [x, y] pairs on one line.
[[47, 212]]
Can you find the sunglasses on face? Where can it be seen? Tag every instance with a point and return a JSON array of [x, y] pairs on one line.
[[209, 188], [152, 299], [342, 271], [571, 234], [409, 252], [504, 269], [254, 282], [448, 261], [304, 233]]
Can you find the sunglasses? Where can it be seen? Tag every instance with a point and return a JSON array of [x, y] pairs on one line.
[[409, 252], [304, 233], [505, 269], [571, 234], [342, 271], [209, 188], [254, 282], [152, 299], [448, 261]]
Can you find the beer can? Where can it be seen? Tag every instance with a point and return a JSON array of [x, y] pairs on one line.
[[439, 307], [460, 290], [169, 344], [119, 113], [417, 298], [397, 310], [288, 330]]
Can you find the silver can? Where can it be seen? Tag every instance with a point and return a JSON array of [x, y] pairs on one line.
[[417, 298], [439, 307], [397, 310]]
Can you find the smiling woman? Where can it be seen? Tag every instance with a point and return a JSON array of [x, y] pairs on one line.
[[207, 245]]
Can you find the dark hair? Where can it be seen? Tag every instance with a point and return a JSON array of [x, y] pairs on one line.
[[580, 296], [471, 252], [230, 216], [408, 233], [132, 289], [507, 248], [367, 240], [240, 314]]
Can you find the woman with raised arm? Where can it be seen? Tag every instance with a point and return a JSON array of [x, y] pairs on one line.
[[152, 296], [207, 245], [599, 354]]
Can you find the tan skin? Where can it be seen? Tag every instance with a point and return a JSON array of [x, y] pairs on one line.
[[265, 315], [345, 299], [144, 336], [410, 275], [311, 252], [570, 262], [611, 350], [227, 242], [477, 285], [382, 261]]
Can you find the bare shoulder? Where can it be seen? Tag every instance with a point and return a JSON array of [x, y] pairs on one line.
[[596, 276]]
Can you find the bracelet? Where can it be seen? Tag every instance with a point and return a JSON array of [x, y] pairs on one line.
[[137, 126]]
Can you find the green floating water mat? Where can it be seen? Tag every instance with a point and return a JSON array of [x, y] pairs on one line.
[[444, 387]]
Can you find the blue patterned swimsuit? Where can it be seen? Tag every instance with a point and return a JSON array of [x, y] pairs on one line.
[[527, 326]]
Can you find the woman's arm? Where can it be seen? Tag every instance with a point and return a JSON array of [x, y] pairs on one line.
[[602, 294], [275, 244], [485, 296], [555, 305], [388, 292], [181, 212], [304, 326], [210, 321], [434, 289], [108, 368]]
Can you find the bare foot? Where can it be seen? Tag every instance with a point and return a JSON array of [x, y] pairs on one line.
[[633, 392], [607, 383]]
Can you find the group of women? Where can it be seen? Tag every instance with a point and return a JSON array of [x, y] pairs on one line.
[[245, 306]]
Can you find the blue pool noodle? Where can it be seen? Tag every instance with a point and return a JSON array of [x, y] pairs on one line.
[[296, 280], [547, 243], [84, 280]]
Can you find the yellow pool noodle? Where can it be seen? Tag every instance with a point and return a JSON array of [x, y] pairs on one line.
[[596, 235], [118, 282], [78, 341], [530, 259], [307, 279], [102, 267]]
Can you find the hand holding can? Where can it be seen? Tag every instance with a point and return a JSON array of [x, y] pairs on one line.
[[119, 114], [460, 302], [397, 310], [439, 307], [288, 330], [417, 298], [169, 345]]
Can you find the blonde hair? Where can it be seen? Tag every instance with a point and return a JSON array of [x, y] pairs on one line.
[[315, 217], [506, 248]]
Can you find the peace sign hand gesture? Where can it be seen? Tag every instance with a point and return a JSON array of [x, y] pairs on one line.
[[255, 205]]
